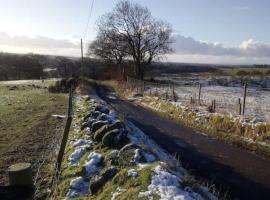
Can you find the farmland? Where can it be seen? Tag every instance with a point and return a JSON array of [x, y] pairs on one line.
[[27, 128], [224, 90]]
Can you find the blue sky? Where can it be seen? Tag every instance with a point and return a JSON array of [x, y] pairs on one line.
[[215, 31]]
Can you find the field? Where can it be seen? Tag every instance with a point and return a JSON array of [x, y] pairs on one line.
[[226, 92], [27, 127]]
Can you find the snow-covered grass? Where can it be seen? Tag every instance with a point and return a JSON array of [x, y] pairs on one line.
[[168, 186], [78, 187]]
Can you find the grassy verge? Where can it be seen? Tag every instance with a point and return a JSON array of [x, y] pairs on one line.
[[27, 126], [131, 186], [253, 138]]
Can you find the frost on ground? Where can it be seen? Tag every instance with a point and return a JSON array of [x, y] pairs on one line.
[[76, 155], [79, 142], [117, 192], [138, 137], [92, 163], [78, 187], [168, 186], [132, 173], [257, 100]]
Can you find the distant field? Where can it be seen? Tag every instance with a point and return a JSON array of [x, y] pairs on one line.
[[26, 123], [248, 70]]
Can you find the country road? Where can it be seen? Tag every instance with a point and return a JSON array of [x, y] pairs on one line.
[[243, 174]]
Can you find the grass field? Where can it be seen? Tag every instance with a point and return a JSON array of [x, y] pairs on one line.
[[248, 70], [26, 124]]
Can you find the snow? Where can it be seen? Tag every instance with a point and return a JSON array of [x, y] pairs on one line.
[[168, 186], [137, 155], [132, 173], [257, 101], [59, 116], [117, 192], [77, 154], [138, 137], [78, 187], [91, 164], [79, 142]]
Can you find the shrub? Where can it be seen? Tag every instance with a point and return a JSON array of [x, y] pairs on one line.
[[242, 73], [63, 85]]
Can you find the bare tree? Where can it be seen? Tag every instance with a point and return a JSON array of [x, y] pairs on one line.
[[131, 32]]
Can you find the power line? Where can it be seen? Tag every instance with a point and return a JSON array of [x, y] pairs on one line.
[[89, 16]]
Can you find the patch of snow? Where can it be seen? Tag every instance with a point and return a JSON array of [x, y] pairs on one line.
[[59, 116], [132, 173], [87, 131], [76, 155], [79, 142], [168, 186], [136, 136], [78, 188], [137, 156], [91, 165], [117, 192]]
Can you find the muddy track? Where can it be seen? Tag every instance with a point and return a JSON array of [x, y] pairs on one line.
[[243, 174]]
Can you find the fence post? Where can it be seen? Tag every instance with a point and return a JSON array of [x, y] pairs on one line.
[[142, 87], [244, 101], [173, 94], [214, 105], [200, 88], [239, 107], [65, 135]]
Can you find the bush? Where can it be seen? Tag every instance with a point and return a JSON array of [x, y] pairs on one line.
[[242, 73], [62, 86]]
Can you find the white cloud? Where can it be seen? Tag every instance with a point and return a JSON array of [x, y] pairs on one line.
[[248, 50], [40, 45], [35, 42], [187, 49]]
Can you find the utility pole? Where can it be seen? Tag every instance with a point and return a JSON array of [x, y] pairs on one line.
[[81, 57]]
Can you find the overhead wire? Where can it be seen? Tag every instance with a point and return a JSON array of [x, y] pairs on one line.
[[89, 17]]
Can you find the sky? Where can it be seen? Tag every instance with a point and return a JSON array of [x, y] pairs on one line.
[[206, 31]]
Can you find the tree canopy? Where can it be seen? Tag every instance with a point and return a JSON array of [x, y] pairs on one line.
[[130, 32]]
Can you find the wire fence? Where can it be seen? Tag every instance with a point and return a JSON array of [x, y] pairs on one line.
[[52, 158], [212, 98]]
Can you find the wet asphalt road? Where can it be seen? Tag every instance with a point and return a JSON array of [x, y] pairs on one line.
[[243, 174]]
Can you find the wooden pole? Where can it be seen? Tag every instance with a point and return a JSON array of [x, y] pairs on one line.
[[239, 107], [244, 101], [81, 57], [214, 105], [200, 89], [66, 132]]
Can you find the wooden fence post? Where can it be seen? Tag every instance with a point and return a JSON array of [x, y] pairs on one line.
[[214, 105], [244, 101], [173, 94], [66, 132], [200, 89], [239, 107]]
